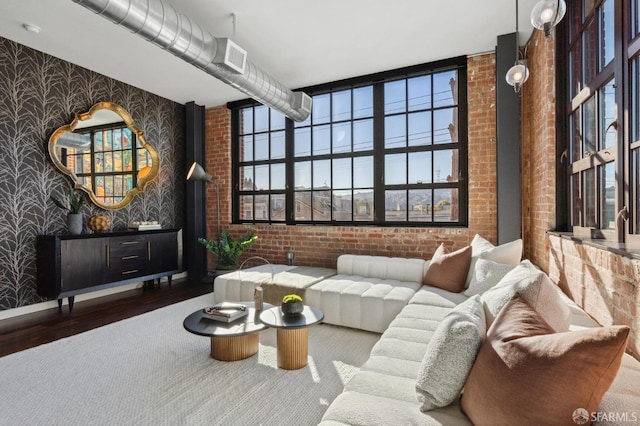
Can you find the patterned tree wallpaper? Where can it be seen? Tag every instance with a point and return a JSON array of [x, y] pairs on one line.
[[39, 93]]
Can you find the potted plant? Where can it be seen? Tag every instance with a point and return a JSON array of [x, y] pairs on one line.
[[74, 217], [228, 250], [291, 305]]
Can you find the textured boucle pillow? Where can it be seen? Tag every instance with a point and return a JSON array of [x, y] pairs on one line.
[[448, 270], [536, 289], [508, 253], [486, 275], [525, 374], [450, 355]]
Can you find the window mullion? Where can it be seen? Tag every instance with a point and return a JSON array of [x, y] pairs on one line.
[[378, 154]]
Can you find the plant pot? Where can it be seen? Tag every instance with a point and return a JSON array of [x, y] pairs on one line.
[[292, 309], [74, 223]]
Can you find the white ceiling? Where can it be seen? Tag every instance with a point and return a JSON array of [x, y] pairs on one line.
[[300, 43]]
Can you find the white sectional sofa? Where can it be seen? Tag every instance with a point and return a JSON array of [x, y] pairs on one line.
[[383, 392], [386, 295]]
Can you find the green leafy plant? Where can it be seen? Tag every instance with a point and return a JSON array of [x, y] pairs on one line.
[[75, 202], [291, 298], [228, 250]]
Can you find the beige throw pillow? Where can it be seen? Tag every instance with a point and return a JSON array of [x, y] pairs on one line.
[[536, 288], [508, 253], [486, 275]]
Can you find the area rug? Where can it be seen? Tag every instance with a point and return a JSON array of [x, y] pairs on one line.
[[148, 370]]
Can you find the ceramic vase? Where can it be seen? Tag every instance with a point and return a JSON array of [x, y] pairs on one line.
[[74, 223], [292, 309]]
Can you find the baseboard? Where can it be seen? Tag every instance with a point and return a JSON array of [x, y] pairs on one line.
[[50, 304]]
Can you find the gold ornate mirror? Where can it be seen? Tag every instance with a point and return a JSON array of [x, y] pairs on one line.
[[105, 155]]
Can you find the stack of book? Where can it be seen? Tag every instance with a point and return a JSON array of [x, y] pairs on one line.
[[144, 226], [225, 311]]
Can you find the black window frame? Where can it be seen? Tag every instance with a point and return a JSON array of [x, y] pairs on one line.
[[378, 152], [609, 223]]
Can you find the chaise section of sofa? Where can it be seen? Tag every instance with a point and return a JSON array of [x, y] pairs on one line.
[[367, 292], [275, 280], [383, 391]]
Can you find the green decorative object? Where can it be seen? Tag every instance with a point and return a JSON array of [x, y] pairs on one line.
[[75, 202], [228, 250]]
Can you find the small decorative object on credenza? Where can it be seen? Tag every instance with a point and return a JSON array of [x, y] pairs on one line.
[[144, 225], [292, 305], [225, 311], [99, 223]]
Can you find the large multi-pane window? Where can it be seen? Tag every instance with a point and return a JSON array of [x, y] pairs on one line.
[[387, 149], [604, 142]]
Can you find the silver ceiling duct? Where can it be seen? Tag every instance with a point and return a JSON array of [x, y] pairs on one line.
[[74, 140], [159, 23]]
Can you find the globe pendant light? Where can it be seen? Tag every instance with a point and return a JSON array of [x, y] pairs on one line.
[[518, 73], [546, 14]]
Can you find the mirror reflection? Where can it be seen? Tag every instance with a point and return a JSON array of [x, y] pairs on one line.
[[105, 155]]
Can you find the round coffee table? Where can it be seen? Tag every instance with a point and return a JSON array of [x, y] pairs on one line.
[[292, 334], [229, 341]]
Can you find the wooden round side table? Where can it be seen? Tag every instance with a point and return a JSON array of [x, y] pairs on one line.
[[292, 335]]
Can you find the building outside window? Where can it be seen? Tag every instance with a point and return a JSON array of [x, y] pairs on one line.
[[603, 84], [388, 149]]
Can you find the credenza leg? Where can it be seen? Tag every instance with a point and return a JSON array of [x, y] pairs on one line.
[[71, 300], [59, 306], [169, 280]]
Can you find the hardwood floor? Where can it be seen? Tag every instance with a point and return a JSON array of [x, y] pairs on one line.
[[26, 331]]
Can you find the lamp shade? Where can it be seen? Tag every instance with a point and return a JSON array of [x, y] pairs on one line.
[[196, 172], [517, 75], [546, 14]]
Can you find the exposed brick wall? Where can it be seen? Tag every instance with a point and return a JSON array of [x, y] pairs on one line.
[[481, 74], [321, 245], [538, 148], [604, 284]]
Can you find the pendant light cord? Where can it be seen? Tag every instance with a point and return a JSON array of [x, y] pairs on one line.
[[517, 37]]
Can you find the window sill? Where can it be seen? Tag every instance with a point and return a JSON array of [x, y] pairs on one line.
[[616, 248]]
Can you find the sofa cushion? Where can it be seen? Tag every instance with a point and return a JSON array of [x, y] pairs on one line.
[[357, 408], [434, 296], [450, 355], [536, 288], [448, 270], [360, 302], [486, 274], [384, 268], [239, 286], [508, 253], [538, 376]]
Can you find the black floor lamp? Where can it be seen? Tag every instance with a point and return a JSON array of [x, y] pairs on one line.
[[196, 172]]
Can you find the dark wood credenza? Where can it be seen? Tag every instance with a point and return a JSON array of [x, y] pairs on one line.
[[74, 264]]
